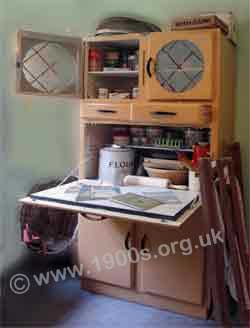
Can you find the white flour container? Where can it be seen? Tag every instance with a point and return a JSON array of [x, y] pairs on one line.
[[115, 164]]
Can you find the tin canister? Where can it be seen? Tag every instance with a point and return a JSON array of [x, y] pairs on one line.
[[115, 163]]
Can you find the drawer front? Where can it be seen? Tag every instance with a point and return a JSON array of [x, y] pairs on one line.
[[173, 114], [106, 112]]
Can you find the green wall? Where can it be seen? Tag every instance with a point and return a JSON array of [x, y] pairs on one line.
[[40, 134], [2, 152]]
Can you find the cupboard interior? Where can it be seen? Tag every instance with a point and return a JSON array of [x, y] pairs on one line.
[[117, 78], [97, 136]]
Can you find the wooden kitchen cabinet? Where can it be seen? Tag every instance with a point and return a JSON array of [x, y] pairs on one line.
[[175, 282], [103, 250], [186, 80]]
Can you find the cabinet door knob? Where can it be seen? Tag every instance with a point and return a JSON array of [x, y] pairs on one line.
[[149, 66]]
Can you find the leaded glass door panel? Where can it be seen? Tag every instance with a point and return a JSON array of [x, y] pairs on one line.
[[49, 65], [180, 65]]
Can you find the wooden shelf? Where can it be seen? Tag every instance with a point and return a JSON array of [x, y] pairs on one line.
[[153, 147], [121, 73], [110, 101]]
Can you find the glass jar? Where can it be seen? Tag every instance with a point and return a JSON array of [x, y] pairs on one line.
[[95, 59]]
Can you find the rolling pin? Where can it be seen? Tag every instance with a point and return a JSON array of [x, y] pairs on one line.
[[133, 180]]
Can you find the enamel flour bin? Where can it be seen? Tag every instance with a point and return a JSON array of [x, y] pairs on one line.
[[115, 164]]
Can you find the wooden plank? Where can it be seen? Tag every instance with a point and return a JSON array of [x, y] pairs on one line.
[[213, 220]]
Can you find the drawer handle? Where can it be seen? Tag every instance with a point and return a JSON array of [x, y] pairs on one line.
[[159, 113], [106, 111]]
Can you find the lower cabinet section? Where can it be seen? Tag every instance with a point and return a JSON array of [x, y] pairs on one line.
[[103, 248], [145, 263], [174, 269]]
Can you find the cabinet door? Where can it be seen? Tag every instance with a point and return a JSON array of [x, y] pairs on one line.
[[49, 64], [176, 275], [103, 248], [180, 65]]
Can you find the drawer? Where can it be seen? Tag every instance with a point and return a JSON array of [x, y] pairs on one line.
[[106, 112], [173, 114]]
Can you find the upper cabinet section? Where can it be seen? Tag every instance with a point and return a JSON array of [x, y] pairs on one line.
[[180, 65], [162, 66], [49, 65]]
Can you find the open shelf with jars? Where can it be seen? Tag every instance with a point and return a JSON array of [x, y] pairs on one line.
[[162, 143], [112, 69]]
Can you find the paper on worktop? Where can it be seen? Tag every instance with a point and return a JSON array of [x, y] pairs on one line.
[[135, 201], [96, 192], [173, 202]]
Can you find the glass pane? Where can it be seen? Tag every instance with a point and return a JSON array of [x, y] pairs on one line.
[[49, 67], [179, 66]]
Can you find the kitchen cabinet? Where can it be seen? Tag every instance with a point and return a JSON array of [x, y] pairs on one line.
[[183, 80]]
